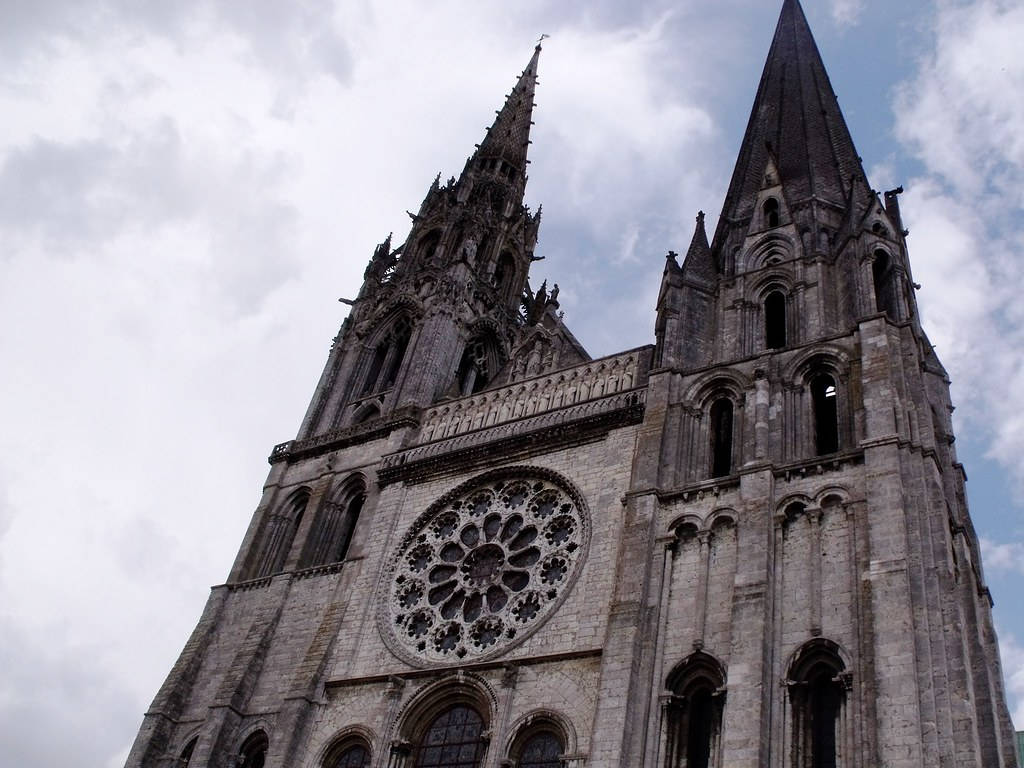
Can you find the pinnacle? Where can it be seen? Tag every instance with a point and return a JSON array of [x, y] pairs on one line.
[[698, 261]]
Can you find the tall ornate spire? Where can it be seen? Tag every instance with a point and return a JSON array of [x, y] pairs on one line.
[[795, 120], [509, 137]]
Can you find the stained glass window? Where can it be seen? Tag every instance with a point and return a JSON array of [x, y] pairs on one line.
[[453, 740], [541, 751], [353, 757]]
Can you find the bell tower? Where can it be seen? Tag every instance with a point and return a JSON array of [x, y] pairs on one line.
[[437, 315], [807, 451]]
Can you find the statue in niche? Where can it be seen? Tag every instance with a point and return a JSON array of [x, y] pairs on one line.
[[533, 364]]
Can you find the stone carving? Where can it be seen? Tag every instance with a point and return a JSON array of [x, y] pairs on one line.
[[484, 568], [592, 380]]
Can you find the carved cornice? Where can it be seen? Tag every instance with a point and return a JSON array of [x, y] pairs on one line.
[[574, 425], [343, 438]]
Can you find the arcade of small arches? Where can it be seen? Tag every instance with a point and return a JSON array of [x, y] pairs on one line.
[[887, 282], [450, 727]]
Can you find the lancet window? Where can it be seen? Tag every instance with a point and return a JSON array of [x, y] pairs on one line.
[[818, 688], [478, 366], [336, 526], [884, 279], [428, 246], [253, 753], [721, 437], [280, 533], [385, 359], [775, 320], [771, 213], [824, 397], [186, 754], [504, 274], [693, 714]]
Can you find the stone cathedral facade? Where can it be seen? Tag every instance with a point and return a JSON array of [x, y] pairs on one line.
[[745, 545]]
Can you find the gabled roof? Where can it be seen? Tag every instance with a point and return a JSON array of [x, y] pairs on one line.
[[795, 119]]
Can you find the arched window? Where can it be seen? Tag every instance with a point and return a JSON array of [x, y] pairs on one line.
[[386, 358], [348, 524], [336, 526], [186, 754], [454, 739], [884, 281], [541, 750], [253, 753], [775, 320], [504, 273], [348, 754], [721, 437], [771, 212], [694, 714], [824, 398], [478, 366], [428, 246], [279, 534], [817, 689]]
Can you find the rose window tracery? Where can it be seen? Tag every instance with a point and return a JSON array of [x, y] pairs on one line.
[[484, 568]]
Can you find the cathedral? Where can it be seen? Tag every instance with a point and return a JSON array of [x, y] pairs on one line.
[[744, 545]]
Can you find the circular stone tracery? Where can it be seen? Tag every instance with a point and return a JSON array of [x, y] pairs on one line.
[[484, 568]]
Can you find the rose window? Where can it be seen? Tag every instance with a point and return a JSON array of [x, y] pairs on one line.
[[484, 568]]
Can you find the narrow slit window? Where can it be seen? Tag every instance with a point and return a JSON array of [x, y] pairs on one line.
[[885, 293], [826, 414], [771, 213], [775, 320], [823, 710], [721, 438], [701, 731]]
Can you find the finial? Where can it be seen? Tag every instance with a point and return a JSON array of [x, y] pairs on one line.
[[672, 255], [700, 218], [541, 39]]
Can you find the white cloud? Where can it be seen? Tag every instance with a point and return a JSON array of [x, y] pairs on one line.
[[847, 13], [1008, 556], [185, 203], [958, 115]]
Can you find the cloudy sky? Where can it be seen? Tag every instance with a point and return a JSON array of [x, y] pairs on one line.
[[186, 188]]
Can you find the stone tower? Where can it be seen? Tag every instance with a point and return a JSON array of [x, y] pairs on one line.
[[745, 545]]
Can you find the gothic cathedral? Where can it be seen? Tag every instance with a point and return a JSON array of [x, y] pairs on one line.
[[744, 546]]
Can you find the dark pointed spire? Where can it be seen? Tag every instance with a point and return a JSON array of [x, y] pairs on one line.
[[509, 137], [795, 119], [698, 261]]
